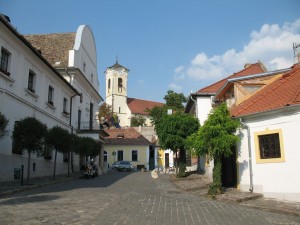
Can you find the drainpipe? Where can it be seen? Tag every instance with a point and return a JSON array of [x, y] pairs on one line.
[[250, 155]]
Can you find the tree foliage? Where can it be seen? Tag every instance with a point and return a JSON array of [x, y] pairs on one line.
[[87, 146], [216, 138], [172, 130], [175, 100], [137, 121], [105, 111], [3, 125], [59, 139], [29, 134], [156, 114]]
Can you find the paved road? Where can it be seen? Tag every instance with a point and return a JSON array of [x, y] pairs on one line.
[[126, 198]]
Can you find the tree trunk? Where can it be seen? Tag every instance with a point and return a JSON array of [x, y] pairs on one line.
[[28, 167], [216, 187], [54, 169]]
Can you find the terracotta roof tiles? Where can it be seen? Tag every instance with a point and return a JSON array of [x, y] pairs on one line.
[[125, 136], [54, 47], [251, 69], [139, 106], [284, 91]]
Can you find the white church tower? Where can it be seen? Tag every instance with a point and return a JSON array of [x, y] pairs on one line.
[[116, 91]]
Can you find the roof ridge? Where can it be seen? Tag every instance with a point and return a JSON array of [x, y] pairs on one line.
[[144, 100], [48, 34]]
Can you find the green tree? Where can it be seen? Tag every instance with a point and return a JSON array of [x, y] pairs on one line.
[[172, 131], [29, 134], [156, 114], [105, 111], [175, 100], [216, 138], [87, 146], [60, 140], [3, 125], [137, 121]]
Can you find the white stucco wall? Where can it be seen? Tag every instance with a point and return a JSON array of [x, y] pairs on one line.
[[17, 103], [281, 179], [204, 107]]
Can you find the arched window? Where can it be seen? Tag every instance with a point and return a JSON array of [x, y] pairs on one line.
[[108, 86], [120, 84]]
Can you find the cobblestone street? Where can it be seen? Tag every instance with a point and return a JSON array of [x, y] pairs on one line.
[[126, 198]]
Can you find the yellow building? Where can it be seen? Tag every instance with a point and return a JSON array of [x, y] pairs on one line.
[[129, 145]]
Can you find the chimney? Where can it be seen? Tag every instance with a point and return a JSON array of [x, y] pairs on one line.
[[247, 65], [296, 48]]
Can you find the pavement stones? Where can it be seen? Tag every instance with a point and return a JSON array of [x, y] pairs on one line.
[[127, 198]]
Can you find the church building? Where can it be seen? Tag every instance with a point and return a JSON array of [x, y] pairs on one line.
[[116, 96]]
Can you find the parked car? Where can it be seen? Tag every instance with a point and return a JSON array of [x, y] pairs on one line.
[[122, 166]]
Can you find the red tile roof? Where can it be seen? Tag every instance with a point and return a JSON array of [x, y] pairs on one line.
[[251, 69], [284, 91], [125, 136], [139, 106]]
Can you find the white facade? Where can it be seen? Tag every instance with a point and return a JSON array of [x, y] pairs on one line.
[[278, 179], [116, 92], [18, 102]]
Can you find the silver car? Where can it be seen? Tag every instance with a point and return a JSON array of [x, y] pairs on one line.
[[122, 166]]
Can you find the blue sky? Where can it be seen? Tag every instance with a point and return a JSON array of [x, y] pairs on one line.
[[182, 45]]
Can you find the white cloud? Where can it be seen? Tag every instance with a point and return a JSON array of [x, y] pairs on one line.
[[179, 73], [175, 87], [272, 45]]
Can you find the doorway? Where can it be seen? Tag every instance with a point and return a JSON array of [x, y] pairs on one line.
[[151, 157], [229, 170], [167, 160]]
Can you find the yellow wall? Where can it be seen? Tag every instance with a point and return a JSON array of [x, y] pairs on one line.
[[143, 159]]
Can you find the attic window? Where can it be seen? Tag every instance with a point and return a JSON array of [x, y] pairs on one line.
[[120, 135]]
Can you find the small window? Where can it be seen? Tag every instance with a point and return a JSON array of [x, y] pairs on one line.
[[108, 85], [84, 67], [31, 81], [4, 61], [134, 155], [65, 105], [79, 119], [120, 84], [119, 109], [50, 95], [269, 146], [92, 78]]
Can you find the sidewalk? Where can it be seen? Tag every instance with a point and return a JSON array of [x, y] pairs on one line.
[[198, 185], [10, 187]]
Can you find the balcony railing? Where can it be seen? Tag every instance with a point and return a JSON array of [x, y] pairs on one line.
[[88, 125]]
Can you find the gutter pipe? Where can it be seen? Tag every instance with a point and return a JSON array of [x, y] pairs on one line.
[[250, 155]]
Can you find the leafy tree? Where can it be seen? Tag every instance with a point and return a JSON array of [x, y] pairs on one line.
[[87, 146], [137, 121], [29, 134], [107, 117], [175, 100], [156, 114], [60, 140], [105, 111], [3, 125], [172, 130], [215, 138]]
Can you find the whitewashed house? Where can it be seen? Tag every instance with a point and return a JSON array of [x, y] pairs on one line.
[[201, 103], [54, 78], [30, 86], [268, 153]]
